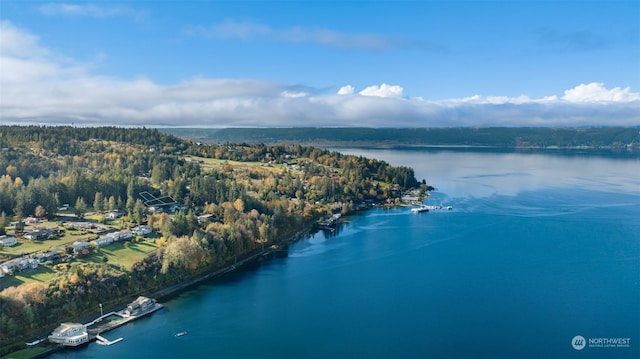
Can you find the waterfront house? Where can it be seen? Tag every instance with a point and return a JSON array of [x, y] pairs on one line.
[[70, 334], [140, 306]]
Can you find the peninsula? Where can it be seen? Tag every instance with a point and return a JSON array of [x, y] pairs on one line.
[[96, 217]]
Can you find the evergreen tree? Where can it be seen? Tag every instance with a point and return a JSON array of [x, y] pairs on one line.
[[3, 223], [138, 213], [80, 208], [112, 203], [98, 202]]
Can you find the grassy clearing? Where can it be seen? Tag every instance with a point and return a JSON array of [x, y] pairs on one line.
[[28, 246], [43, 275], [214, 163], [122, 254]]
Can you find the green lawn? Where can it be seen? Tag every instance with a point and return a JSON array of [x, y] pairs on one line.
[[123, 254], [43, 274], [28, 246]]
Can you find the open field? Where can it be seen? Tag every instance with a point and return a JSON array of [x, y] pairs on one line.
[[122, 254], [214, 163], [28, 246], [43, 274]]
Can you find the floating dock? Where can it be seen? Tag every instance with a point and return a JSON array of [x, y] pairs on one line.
[[104, 341]]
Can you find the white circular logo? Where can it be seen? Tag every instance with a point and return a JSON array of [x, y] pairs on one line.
[[578, 342]]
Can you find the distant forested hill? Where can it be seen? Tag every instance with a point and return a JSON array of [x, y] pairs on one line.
[[500, 137]]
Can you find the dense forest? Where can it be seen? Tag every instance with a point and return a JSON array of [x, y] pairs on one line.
[[254, 195], [500, 137]]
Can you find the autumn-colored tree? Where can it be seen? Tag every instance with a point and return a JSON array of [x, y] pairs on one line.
[[41, 212]]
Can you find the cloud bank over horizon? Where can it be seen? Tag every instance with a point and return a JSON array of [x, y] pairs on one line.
[[40, 86]]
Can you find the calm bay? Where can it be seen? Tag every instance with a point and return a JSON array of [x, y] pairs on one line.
[[538, 249]]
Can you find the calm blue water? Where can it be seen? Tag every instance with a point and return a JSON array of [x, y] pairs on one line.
[[538, 249]]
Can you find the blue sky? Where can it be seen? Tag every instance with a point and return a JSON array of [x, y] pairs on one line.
[[311, 63]]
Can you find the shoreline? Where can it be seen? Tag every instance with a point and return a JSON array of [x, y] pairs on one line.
[[165, 294]]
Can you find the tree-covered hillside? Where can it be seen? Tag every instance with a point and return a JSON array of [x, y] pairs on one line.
[[227, 201], [503, 137]]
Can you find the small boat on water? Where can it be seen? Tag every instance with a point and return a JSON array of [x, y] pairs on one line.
[[426, 208], [181, 334]]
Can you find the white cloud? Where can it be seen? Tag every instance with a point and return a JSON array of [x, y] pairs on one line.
[[91, 10], [383, 90], [232, 29], [41, 87], [346, 90], [596, 92], [293, 94], [17, 43], [23, 59]]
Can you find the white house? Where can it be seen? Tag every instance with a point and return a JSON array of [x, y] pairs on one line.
[[69, 334], [103, 241], [142, 230], [79, 246], [18, 265], [115, 214], [124, 235]]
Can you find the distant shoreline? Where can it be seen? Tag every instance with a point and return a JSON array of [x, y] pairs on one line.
[[622, 139]]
